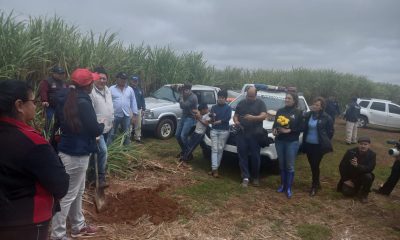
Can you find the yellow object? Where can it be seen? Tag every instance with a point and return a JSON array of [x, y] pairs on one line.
[[283, 121]]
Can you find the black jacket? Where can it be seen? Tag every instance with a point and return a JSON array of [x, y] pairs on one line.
[[31, 175], [366, 164], [83, 142], [325, 131], [296, 125], [352, 112]]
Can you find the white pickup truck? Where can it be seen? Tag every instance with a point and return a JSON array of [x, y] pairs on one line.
[[163, 111]]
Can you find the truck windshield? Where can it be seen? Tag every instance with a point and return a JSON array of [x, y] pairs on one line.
[[166, 93]]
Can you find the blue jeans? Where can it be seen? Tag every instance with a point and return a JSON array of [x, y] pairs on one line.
[[248, 145], [287, 152], [125, 123], [182, 131], [195, 139], [218, 141], [102, 158], [49, 119]]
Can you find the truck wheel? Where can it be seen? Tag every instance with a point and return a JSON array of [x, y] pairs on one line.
[[165, 129], [362, 121]]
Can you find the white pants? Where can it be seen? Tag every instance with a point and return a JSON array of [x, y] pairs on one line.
[[138, 125], [71, 204], [351, 132]]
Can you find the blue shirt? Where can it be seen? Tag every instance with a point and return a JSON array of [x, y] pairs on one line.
[[312, 134], [124, 101], [223, 113]]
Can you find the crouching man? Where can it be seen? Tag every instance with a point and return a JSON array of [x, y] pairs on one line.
[[356, 170]]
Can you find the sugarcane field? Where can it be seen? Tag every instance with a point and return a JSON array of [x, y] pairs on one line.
[[192, 120]]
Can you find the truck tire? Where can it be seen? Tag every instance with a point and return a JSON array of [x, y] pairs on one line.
[[165, 129], [362, 121]]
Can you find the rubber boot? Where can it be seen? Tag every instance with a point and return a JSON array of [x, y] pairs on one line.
[[289, 182], [282, 188]]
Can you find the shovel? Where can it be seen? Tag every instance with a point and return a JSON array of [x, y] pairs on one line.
[[99, 196]]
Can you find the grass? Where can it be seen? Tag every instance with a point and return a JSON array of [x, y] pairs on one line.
[[313, 232]]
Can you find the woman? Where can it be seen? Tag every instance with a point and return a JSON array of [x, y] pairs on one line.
[[221, 113], [79, 129], [32, 176], [287, 127], [317, 137]]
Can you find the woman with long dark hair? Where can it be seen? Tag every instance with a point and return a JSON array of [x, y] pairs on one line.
[[79, 129], [287, 128], [32, 176], [317, 136]]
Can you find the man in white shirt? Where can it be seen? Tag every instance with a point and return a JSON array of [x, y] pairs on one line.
[[125, 107], [103, 106]]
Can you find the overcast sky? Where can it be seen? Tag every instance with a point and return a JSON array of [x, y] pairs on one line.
[[351, 36]]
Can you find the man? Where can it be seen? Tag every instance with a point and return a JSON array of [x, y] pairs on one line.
[[249, 116], [332, 108], [188, 103], [141, 106], [394, 177], [356, 168], [125, 108], [48, 89], [351, 117], [103, 106]]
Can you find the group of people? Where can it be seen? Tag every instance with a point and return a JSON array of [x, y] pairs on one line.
[[317, 127], [42, 184], [201, 117], [41, 187]]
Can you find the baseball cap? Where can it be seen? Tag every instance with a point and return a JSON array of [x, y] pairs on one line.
[[83, 77], [57, 69], [135, 78], [122, 75]]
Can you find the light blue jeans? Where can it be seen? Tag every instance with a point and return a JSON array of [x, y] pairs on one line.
[[287, 153], [183, 130], [218, 141], [71, 204]]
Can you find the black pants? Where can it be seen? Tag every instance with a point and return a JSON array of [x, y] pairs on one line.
[[391, 182], [37, 231], [362, 183], [314, 156]]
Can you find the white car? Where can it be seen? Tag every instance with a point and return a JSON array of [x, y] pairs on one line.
[[274, 100], [378, 112]]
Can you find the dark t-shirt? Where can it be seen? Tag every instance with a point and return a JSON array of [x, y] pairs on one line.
[[253, 108]]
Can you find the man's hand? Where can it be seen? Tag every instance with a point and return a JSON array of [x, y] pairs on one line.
[[248, 117], [354, 162], [45, 104], [134, 119]]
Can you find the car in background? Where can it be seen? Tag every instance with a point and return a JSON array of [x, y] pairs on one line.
[[378, 112], [163, 112], [232, 95], [274, 99]]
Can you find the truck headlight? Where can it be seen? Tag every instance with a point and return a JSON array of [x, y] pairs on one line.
[[148, 114]]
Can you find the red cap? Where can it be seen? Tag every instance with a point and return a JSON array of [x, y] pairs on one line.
[[84, 77]]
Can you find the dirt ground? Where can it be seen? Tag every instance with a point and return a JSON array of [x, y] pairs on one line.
[[147, 206]]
